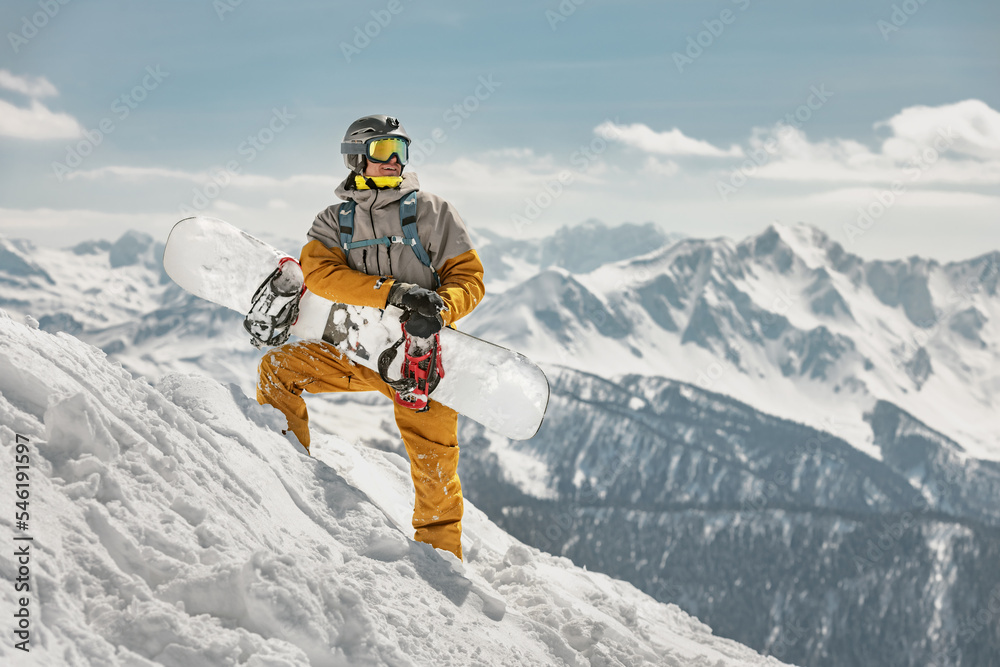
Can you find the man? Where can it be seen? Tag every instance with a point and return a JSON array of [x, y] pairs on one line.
[[435, 284]]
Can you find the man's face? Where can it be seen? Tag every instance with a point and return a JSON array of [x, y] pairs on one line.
[[390, 168]]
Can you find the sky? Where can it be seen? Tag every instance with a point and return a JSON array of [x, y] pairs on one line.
[[877, 121]]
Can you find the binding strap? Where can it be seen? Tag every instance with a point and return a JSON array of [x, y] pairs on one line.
[[273, 310], [421, 371]]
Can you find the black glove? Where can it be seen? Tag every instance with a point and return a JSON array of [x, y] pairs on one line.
[[421, 326], [415, 299], [423, 308]]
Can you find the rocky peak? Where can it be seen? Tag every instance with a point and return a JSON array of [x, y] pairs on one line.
[[130, 248], [904, 283], [15, 262]]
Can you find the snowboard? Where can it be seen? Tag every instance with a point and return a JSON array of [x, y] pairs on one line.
[[492, 385]]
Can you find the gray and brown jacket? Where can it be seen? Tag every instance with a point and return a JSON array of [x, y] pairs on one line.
[[364, 277]]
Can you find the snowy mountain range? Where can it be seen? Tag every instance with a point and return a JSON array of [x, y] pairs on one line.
[[732, 424], [786, 320]]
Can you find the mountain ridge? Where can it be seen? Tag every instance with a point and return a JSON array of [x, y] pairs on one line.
[[788, 309]]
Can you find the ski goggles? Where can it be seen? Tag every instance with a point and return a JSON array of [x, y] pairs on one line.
[[380, 149]]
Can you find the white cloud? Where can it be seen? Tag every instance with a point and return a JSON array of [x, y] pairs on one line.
[[511, 153], [126, 173], [65, 227], [505, 173], [921, 199], [33, 87], [972, 125], [951, 144], [655, 166], [219, 176], [498, 178], [36, 122], [823, 181], [674, 142]]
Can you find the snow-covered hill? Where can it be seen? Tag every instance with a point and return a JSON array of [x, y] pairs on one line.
[[177, 526], [786, 321]]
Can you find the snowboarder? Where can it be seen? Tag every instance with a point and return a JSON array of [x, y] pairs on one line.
[[375, 250]]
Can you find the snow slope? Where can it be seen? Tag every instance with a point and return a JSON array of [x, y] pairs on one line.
[[176, 526]]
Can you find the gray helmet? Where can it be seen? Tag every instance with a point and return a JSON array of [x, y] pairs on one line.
[[363, 129]]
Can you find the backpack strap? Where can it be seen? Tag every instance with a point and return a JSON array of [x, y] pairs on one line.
[[346, 223], [407, 221]]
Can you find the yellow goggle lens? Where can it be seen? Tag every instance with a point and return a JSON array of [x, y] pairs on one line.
[[382, 150]]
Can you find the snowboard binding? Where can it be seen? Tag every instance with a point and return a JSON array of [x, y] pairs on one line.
[[275, 305], [421, 372]]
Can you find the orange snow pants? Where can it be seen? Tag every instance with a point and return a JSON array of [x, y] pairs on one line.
[[430, 437]]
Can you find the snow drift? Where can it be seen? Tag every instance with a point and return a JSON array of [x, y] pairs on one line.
[[175, 525]]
